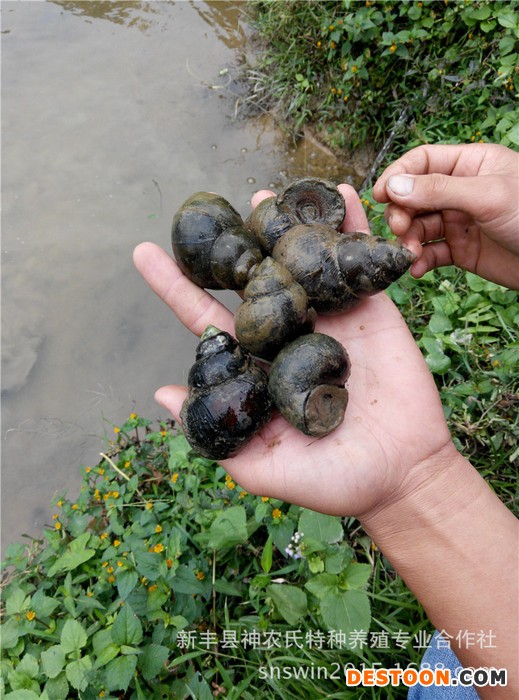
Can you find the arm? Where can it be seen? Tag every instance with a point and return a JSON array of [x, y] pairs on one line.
[[391, 463]]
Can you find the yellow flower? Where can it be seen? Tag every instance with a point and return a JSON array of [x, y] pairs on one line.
[[158, 548], [392, 48], [127, 464], [111, 579], [174, 478], [89, 594], [120, 563], [231, 485], [158, 528], [163, 433], [55, 516], [117, 430], [265, 499], [101, 471], [276, 513], [133, 416], [318, 44], [59, 504], [102, 694], [200, 575], [105, 564], [243, 494], [169, 563], [74, 506], [110, 569], [97, 495], [333, 45], [117, 543], [153, 588], [115, 494], [88, 470], [144, 580], [57, 525], [354, 69], [30, 615], [149, 505], [103, 535]]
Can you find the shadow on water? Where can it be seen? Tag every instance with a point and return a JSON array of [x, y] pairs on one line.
[[113, 114]]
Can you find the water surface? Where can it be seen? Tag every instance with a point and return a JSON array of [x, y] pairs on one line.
[[113, 114]]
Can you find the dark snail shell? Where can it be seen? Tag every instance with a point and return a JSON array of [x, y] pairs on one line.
[[228, 400], [211, 244], [306, 383], [275, 311], [338, 270], [307, 201]]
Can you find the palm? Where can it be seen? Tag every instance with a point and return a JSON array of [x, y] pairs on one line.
[[394, 418], [368, 457]]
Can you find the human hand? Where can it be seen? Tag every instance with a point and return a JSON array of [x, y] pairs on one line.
[[394, 420], [456, 205]]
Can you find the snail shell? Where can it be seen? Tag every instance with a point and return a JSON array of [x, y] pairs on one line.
[[211, 244], [228, 400], [306, 383], [275, 311], [306, 201], [338, 270]]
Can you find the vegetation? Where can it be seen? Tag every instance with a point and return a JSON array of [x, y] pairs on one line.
[[437, 70], [164, 579]]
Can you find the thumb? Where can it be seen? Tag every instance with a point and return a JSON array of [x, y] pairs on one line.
[[438, 191]]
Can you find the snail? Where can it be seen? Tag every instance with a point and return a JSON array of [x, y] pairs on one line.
[[275, 311], [306, 383], [211, 244], [228, 400], [306, 201], [338, 270]]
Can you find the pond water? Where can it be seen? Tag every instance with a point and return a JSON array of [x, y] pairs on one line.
[[113, 114]]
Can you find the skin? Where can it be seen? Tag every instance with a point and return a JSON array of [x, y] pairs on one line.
[[391, 463]]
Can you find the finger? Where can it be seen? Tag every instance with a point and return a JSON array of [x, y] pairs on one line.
[[259, 196], [194, 307], [355, 219], [430, 158], [171, 398], [437, 254]]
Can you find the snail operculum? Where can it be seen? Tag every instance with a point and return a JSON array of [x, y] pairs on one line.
[[274, 312], [337, 269], [211, 243], [228, 400], [306, 383], [305, 201]]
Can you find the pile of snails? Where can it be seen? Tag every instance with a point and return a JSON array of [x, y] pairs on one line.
[[290, 261]]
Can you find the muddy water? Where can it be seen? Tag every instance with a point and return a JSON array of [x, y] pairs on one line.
[[113, 114]]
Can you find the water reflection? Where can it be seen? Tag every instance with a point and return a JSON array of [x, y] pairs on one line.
[[129, 14]]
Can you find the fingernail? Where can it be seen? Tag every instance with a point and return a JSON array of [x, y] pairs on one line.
[[401, 184]]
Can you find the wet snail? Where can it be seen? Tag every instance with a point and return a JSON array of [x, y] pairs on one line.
[[274, 312], [310, 200], [228, 400], [211, 244], [291, 261], [338, 270], [306, 383]]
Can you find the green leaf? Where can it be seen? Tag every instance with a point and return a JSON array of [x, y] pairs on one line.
[[439, 323], [73, 637], [126, 582], [148, 565], [127, 628], [323, 528], [17, 602], [185, 581], [346, 612], [77, 672], [151, 661], [323, 585], [119, 672], [22, 694], [70, 560], [266, 556], [10, 633], [53, 660], [57, 688], [107, 654], [290, 601], [44, 604], [438, 362], [356, 575], [227, 530]]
